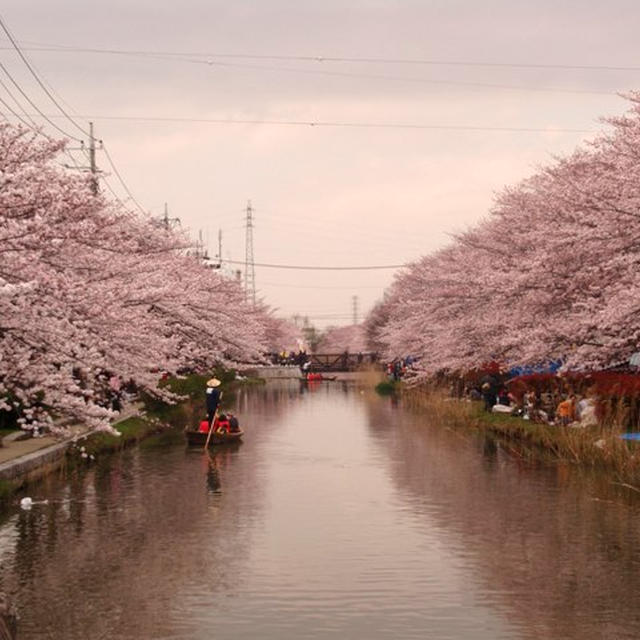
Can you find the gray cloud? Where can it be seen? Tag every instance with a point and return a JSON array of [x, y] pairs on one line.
[[330, 195]]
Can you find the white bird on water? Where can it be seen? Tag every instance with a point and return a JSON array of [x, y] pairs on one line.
[[27, 503]]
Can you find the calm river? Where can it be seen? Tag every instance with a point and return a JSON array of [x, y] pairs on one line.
[[340, 516]]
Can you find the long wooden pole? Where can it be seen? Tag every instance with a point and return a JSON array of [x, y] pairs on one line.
[[215, 415]]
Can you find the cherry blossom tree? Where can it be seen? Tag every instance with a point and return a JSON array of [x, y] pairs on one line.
[[552, 272], [339, 339], [282, 334], [88, 289]]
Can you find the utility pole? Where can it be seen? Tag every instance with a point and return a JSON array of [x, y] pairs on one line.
[[166, 221], [249, 266], [202, 252], [355, 309], [219, 248], [92, 161]]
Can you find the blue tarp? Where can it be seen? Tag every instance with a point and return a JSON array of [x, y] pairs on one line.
[[630, 436], [529, 369]]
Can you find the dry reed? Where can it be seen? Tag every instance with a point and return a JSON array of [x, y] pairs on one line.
[[598, 446]]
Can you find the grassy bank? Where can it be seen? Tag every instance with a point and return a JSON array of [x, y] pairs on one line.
[[132, 431], [159, 424], [595, 447], [159, 417]]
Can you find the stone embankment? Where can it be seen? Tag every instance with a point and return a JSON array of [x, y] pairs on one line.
[[273, 372], [26, 460]]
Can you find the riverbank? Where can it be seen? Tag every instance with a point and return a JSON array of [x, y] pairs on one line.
[[588, 446], [24, 462], [27, 462]]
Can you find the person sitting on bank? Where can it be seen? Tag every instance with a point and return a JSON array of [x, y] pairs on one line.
[[213, 398], [503, 404], [489, 396], [503, 397], [565, 412]]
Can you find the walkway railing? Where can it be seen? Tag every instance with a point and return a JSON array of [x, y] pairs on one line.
[[341, 361]]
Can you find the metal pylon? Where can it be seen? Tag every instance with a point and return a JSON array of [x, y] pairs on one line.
[[249, 266]]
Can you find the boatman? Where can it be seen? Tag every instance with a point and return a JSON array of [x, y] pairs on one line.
[[213, 398]]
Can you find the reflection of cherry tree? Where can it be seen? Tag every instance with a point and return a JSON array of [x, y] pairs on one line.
[[551, 273], [88, 288]]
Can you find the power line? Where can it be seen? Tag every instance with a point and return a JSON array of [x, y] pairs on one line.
[[35, 106], [121, 180], [31, 123], [17, 115], [49, 94], [104, 180], [326, 59], [375, 76], [37, 77], [344, 74], [316, 268], [337, 124]]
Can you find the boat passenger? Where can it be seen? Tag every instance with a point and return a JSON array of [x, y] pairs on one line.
[[234, 425], [222, 424]]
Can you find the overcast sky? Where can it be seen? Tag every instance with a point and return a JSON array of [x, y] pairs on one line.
[[348, 195]]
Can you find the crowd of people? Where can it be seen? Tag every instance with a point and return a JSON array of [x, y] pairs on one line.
[[551, 407], [398, 368], [289, 358]]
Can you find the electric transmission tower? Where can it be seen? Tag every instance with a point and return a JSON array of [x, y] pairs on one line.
[[354, 299], [249, 266]]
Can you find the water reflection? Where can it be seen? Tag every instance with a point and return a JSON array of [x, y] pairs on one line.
[[556, 549], [342, 515], [216, 459]]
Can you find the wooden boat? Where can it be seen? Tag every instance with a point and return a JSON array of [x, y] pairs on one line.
[[199, 438], [322, 379]]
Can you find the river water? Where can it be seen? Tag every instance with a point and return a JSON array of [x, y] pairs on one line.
[[340, 516]]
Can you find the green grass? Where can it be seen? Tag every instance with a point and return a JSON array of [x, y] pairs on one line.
[[386, 388], [158, 415], [516, 428], [192, 389], [192, 385], [165, 438], [131, 431]]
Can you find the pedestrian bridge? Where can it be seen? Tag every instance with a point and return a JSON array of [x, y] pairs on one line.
[[341, 361]]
